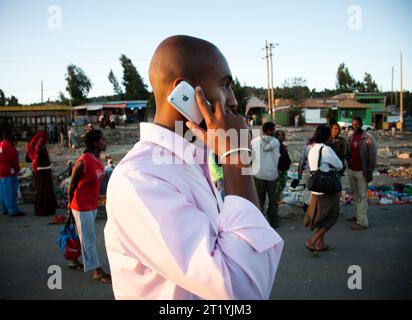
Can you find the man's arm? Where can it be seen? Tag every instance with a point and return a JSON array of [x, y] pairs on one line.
[[236, 259], [372, 154]]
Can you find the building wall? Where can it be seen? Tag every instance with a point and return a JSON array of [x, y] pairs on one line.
[[315, 116], [346, 115], [376, 101], [282, 118]]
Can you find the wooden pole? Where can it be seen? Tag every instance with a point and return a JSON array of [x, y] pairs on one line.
[[401, 99], [272, 93], [268, 75], [392, 89]]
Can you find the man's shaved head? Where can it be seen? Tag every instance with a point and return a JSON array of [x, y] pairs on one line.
[[182, 57], [194, 60]]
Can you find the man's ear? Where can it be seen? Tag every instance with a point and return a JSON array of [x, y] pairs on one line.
[[177, 81]]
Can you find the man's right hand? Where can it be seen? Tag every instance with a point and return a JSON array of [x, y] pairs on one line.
[[221, 125], [224, 127]]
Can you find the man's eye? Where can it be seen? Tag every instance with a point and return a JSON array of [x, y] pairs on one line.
[[226, 86]]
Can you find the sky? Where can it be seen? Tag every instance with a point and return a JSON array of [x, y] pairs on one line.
[[314, 37]]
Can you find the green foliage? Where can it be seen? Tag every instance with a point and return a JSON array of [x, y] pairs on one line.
[[344, 81], [78, 84], [293, 112], [369, 84], [116, 86], [331, 116], [293, 88], [62, 99], [240, 94], [2, 98], [132, 81], [12, 101], [151, 101]]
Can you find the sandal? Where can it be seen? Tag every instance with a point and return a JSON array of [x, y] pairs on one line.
[[312, 249], [76, 266], [102, 277]]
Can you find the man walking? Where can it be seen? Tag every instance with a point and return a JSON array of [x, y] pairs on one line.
[[265, 158], [361, 158]]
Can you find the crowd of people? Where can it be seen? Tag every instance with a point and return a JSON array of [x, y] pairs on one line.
[[86, 181]]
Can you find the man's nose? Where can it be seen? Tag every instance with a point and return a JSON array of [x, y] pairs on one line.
[[231, 102]]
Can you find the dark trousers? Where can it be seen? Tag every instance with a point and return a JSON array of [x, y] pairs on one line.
[[264, 187]]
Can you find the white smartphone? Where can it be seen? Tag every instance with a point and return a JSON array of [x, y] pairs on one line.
[[183, 99]]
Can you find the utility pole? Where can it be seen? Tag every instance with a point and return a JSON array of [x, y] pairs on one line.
[[392, 89], [401, 99], [272, 90], [268, 75], [42, 91]]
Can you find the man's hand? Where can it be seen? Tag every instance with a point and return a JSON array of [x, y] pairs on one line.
[[225, 130]]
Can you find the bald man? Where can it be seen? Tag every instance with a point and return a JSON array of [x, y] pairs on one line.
[[169, 235]]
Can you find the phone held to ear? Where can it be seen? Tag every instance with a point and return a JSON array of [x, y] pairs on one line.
[[183, 99]]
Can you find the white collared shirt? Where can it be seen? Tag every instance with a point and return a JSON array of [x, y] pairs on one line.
[[170, 236]]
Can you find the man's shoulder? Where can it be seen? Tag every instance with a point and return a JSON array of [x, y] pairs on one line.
[[147, 159], [368, 137]]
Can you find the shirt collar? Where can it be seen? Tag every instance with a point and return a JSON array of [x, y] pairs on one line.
[[175, 143]]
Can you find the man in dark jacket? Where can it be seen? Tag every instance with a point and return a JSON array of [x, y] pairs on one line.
[[338, 143], [361, 158]]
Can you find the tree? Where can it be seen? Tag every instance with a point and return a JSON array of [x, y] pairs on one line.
[[294, 88], [293, 112], [78, 84], [344, 81], [240, 94], [132, 81], [2, 98], [331, 116], [369, 84], [116, 86], [12, 101], [62, 98]]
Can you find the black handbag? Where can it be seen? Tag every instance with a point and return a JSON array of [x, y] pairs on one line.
[[325, 182]]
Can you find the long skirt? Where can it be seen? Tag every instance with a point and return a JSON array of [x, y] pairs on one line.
[[45, 202], [323, 211]]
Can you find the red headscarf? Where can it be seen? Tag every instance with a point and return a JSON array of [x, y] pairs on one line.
[[33, 148]]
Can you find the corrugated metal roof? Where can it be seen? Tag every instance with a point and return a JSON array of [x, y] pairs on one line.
[[36, 108]]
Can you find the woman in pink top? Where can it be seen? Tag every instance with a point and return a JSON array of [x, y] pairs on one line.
[[83, 201]]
